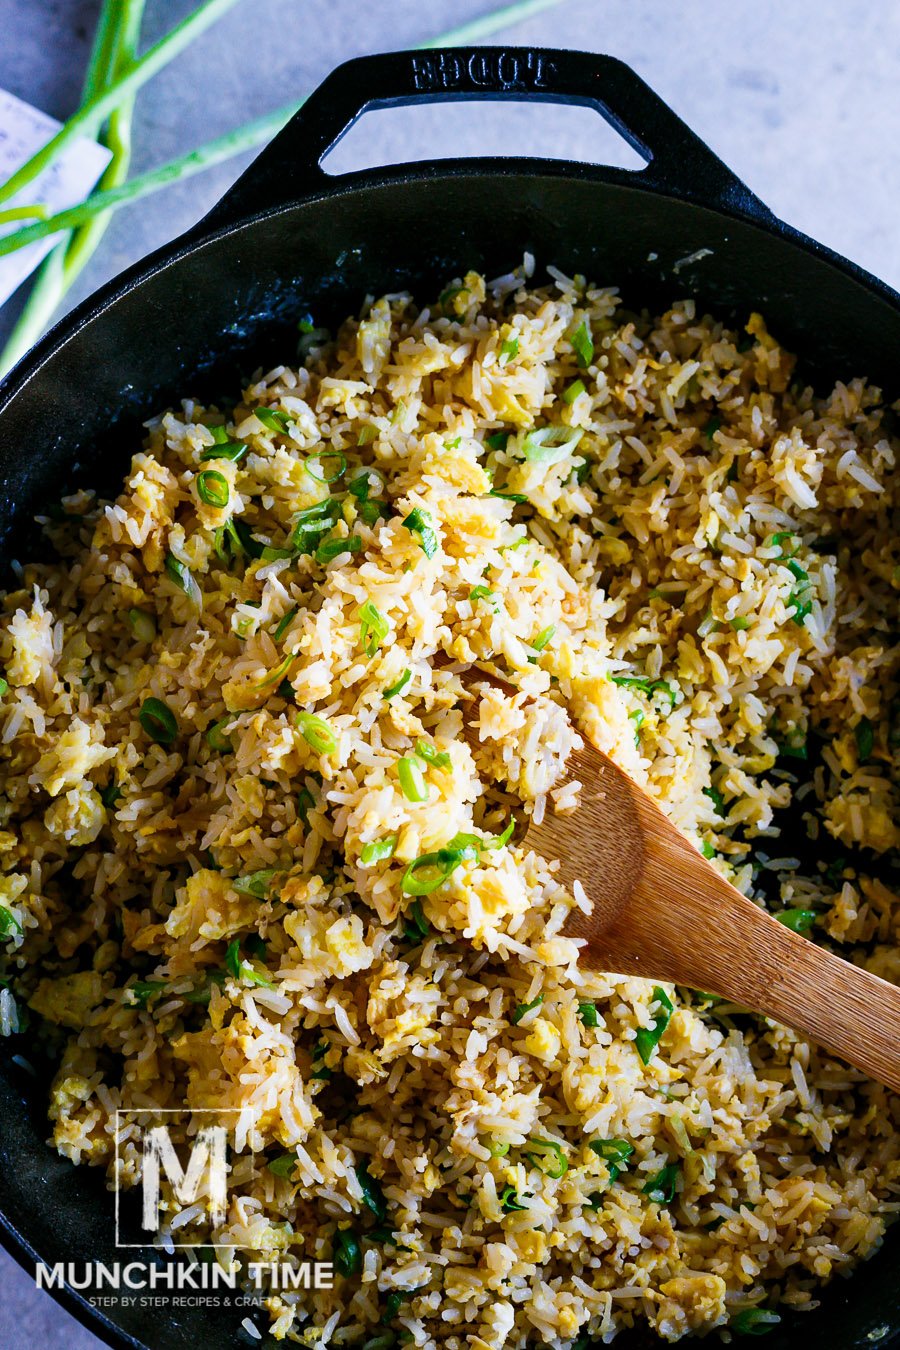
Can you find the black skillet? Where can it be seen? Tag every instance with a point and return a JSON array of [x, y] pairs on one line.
[[204, 311]]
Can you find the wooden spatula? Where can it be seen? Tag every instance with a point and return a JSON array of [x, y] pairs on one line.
[[660, 910]]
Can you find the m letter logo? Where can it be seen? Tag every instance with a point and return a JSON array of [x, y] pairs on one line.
[[207, 1156]]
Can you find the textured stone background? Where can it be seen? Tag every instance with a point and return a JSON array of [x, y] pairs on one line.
[[800, 98]]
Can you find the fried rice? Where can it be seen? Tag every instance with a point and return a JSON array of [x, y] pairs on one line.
[[251, 862]]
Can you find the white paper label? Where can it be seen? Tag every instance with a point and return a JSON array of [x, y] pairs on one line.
[[68, 180]]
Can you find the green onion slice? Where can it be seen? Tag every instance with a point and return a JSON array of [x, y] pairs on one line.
[[647, 1038], [798, 920], [284, 624], [543, 637], [548, 445], [317, 733], [865, 739], [548, 1156], [184, 579], [509, 351], [283, 1165], [662, 1186], [256, 884], [573, 391], [158, 721], [373, 627], [216, 738], [439, 759], [522, 1008], [378, 850], [233, 450], [212, 488], [399, 686], [419, 522], [754, 1322], [588, 1014], [583, 342], [273, 419], [143, 625], [412, 780], [347, 1253], [330, 465], [334, 548], [372, 1194], [426, 873]]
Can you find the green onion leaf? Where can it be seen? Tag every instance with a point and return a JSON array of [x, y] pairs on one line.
[[283, 1165], [798, 920], [481, 593], [373, 627], [583, 343], [347, 1253], [712, 427], [588, 1014], [865, 739], [548, 1156], [233, 450], [367, 434], [8, 922], [419, 522], [573, 391], [398, 687], [215, 735], [509, 1200], [439, 759], [184, 579], [647, 1038], [212, 488], [717, 799], [330, 465], [543, 638], [256, 884], [794, 746], [4, 686], [522, 1008], [378, 850], [313, 523], [284, 624], [662, 1186], [509, 351], [614, 1152], [788, 544], [740, 623], [426, 873], [707, 849], [372, 1194], [518, 497], [158, 721], [497, 1148], [412, 780], [417, 927], [317, 733], [143, 625], [143, 990], [272, 419], [754, 1322], [111, 795], [548, 445], [334, 548], [497, 440]]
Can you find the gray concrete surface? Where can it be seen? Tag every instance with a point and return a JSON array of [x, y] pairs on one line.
[[799, 97]]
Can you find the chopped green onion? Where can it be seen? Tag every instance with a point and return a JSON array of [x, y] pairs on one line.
[[543, 637], [419, 522], [242, 970], [754, 1322], [306, 325], [614, 1152], [865, 739], [583, 343], [283, 1165], [794, 746], [347, 1253], [4, 686], [588, 1014], [740, 623], [417, 927], [446, 298], [481, 593], [454, 444], [798, 920], [712, 427], [143, 625], [158, 721], [313, 523], [497, 440], [548, 1156], [212, 488], [426, 873], [184, 579], [143, 990], [333, 548], [573, 391], [662, 1186], [497, 1148], [788, 544], [367, 434], [284, 624], [256, 884], [518, 497], [378, 850], [215, 735], [509, 1200], [372, 1194], [509, 351], [522, 1008], [548, 445], [272, 419], [647, 1038], [717, 799], [439, 759], [637, 717], [373, 628], [111, 795], [323, 474], [399, 685], [412, 780], [500, 840], [232, 450], [372, 511], [317, 733], [8, 922], [707, 849]]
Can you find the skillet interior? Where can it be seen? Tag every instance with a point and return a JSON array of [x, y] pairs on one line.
[[200, 316]]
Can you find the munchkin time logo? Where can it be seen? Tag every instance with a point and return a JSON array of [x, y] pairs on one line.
[[198, 1178]]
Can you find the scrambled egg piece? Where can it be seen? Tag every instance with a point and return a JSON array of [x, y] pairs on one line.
[[71, 758], [69, 1000], [78, 817]]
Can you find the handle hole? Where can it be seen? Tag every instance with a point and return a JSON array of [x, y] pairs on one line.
[[433, 131]]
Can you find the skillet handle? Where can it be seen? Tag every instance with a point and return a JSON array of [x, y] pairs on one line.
[[679, 163]]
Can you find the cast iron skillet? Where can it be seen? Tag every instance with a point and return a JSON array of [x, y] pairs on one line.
[[201, 313]]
